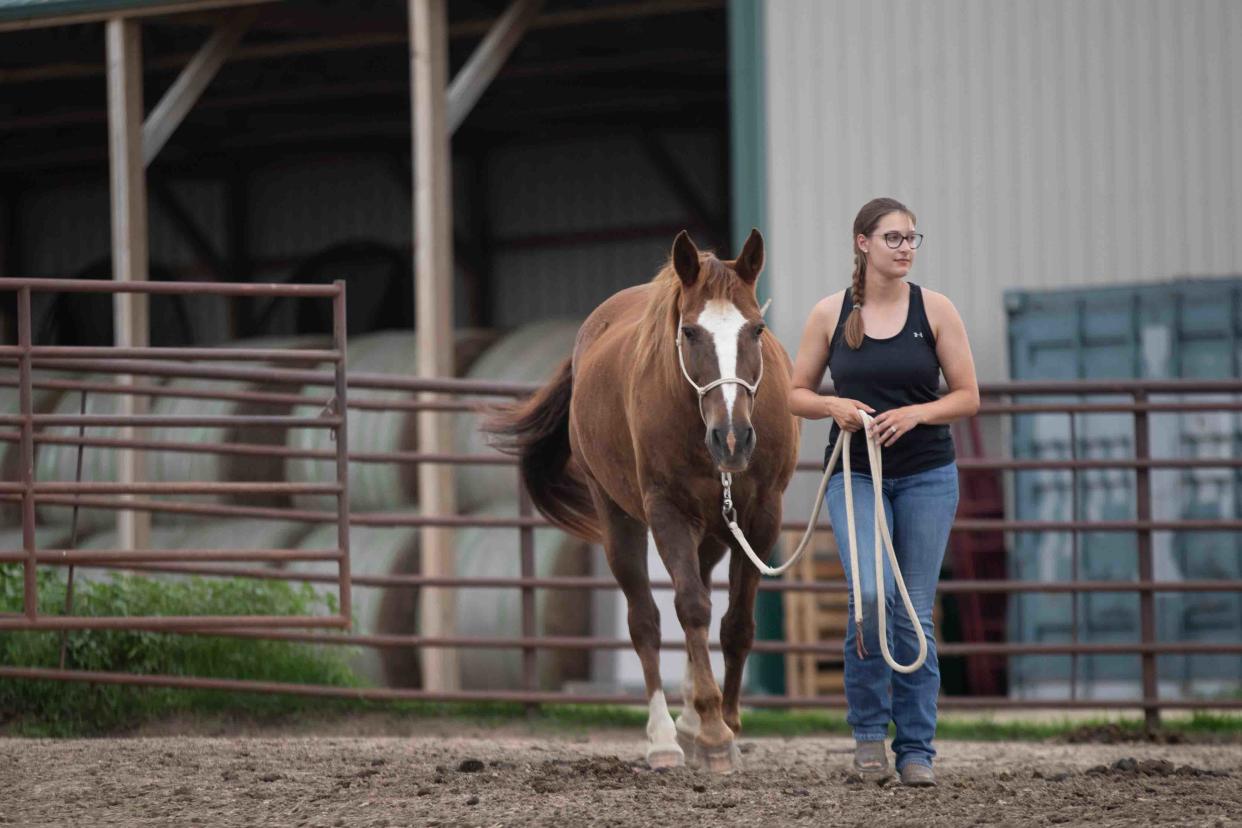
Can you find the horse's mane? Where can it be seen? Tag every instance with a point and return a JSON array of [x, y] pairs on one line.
[[657, 330]]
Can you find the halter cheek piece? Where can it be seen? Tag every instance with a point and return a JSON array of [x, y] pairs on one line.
[[703, 389]]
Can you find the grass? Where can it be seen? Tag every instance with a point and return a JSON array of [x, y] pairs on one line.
[[53, 708], [222, 711], [60, 709], [764, 722]]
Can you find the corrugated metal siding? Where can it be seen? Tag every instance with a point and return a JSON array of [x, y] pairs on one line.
[[206, 203], [584, 186], [305, 206], [66, 232], [1049, 144], [297, 209], [65, 229], [7, 208], [68, 228], [30, 9]]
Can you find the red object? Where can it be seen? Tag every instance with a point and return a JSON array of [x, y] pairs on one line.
[[980, 556]]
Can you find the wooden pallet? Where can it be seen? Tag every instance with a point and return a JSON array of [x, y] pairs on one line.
[[814, 617]]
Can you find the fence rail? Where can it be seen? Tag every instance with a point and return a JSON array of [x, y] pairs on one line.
[[30, 493], [1140, 400]]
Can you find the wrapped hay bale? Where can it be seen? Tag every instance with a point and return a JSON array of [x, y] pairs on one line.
[[529, 354], [373, 487]]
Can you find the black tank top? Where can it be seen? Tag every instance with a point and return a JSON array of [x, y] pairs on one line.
[[891, 373]]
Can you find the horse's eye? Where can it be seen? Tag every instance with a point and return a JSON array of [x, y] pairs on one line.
[[687, 332], [759, 329]]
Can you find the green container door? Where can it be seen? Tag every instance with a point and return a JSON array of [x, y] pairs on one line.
[[1192, 330]]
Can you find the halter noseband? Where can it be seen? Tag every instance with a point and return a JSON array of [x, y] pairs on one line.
[[703, 389]]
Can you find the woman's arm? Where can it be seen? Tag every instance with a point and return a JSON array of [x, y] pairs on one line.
[[808, 371], [957, 363]]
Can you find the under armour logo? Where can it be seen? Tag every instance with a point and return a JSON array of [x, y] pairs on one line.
[[919, 335]]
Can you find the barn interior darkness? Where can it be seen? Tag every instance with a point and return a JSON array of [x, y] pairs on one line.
[[321, 82]]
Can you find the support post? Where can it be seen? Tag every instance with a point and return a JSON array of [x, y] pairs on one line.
[[526, 545], [129, 242], [433, 290], [25, 392], [1146, 567]]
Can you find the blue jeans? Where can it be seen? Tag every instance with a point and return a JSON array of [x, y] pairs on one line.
[[920, 510]]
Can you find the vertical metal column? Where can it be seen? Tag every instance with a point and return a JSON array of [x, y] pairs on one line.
[[26, 405], [1075, 515], [1146, 569], [131, 323], [433, 290], [527, 542], [339, 336]]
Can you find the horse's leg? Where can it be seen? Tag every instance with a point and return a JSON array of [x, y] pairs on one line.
[[678, 544], [625, 545], [737, 627], [688, 722]]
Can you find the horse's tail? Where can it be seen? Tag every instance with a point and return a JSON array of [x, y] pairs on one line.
[[537, 432]]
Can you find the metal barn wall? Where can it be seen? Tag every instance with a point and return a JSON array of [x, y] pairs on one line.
[[603, 195], [65, 231], [1042, 144], [66, 228], [301, 207], [584, 187]]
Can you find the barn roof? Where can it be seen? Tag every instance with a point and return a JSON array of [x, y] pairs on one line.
[[53, 12]]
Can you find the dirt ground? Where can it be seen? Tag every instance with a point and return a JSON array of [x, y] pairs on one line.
[[480, 777]]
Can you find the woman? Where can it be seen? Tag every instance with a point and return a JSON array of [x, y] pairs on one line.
[[886, 342]]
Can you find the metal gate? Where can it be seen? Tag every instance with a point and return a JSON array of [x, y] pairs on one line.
[[129, 364]]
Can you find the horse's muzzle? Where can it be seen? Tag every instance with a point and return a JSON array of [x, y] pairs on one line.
[[731, 448]]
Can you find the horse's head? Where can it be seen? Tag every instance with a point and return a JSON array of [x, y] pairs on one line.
[[720, 343]]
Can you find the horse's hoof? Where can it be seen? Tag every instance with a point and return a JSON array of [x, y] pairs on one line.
[[666, 757], [690, 748], [724, 758]]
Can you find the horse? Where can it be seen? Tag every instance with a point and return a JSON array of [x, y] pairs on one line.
[[673, 387]]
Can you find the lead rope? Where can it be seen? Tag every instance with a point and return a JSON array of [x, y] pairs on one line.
[[880, 533]]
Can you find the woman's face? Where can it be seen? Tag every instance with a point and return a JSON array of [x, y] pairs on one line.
[[888, 261]]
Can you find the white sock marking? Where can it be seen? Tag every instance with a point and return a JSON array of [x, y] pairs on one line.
[[659, 723], [688, 722]]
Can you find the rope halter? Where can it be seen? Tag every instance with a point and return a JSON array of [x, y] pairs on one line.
[[702, 390]]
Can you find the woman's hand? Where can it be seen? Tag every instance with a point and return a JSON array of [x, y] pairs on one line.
[[845, 412], [889, 427]]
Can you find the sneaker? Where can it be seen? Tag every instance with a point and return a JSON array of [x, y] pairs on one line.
[[918, 775]]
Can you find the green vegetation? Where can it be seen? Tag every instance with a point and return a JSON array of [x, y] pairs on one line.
[[955, 726], [56, 708]]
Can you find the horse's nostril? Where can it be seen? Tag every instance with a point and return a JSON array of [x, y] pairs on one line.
[[718, 437], [748, 437]]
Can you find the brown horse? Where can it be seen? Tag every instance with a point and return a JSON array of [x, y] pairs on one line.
[[671, 383]]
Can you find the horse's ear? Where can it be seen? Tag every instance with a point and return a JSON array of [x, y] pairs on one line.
[[750, 260], [686, 259]]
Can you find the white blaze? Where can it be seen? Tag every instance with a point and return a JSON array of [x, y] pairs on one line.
[[723, 322]]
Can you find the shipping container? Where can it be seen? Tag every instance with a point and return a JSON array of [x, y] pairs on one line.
[[1188, 329]]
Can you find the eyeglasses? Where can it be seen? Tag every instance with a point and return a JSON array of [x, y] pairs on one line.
[[894, 239]]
